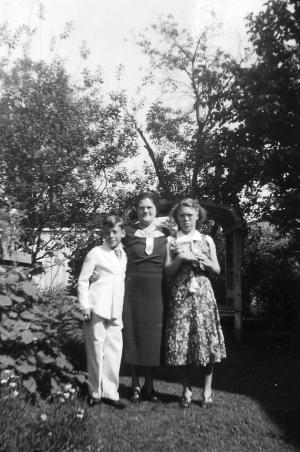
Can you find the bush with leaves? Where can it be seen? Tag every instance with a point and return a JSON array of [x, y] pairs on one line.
[[31, 335], [271, 277], [81, 243]]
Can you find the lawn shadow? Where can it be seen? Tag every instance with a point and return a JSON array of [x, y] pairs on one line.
[[264, 366]]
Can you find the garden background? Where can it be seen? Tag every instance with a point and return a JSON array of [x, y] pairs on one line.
[[212, 115]]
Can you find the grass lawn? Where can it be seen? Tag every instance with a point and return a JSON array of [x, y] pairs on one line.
[[256, 408]]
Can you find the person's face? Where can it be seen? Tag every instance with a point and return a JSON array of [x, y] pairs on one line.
[[187, 218], [146, 211], [113, 236]]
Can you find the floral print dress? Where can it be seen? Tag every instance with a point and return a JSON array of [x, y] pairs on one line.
[[194, 335]]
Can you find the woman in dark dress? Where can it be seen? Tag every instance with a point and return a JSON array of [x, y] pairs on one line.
[[145, 246]]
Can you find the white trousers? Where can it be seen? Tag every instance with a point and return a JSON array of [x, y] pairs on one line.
[[104, 343]]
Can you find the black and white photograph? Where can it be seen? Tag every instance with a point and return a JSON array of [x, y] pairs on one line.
[[149, 225]]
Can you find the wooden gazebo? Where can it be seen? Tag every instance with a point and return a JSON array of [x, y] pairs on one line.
[[231, 225]]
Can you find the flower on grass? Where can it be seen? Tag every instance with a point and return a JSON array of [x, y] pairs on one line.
[[3, 381], [13, 384], [44, 417], [80, 413], [15, 393]]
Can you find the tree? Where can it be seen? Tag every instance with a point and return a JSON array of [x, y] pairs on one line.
[[58, 141], [271, 277], [192, 140], [268, 108]]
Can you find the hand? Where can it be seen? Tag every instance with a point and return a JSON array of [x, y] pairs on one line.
[[94, 277], [188, 256], [203, 260], [87, 315]]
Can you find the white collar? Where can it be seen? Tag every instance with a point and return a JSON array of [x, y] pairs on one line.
[[108, 248], [147, 229], [149, 232], [192, 235]]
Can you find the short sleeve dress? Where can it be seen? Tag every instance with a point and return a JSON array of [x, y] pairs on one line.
[[194, 335], [143, 304]]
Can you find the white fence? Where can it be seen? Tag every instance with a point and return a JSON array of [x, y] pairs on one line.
[[56, 273]]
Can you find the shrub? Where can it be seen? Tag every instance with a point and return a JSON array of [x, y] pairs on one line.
[[80, 243], [272, 277], [31, 333]]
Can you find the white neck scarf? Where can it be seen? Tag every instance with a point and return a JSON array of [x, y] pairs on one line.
[[149, 233]]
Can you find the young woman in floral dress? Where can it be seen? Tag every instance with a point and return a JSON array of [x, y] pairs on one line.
[[194, 336]]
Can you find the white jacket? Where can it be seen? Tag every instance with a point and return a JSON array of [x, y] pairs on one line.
[[104, 296]]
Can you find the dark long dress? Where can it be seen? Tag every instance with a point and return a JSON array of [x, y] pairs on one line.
[[143, 305]]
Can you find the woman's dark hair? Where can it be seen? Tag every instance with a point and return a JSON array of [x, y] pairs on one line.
[[146, 195], [192, 204], [112, 221]]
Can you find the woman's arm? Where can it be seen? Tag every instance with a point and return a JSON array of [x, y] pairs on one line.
[[211, 263]]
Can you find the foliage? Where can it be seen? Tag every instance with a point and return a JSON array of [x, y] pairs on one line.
[[31, 335], [268, 108], [44, 427], [58, 140], [271, 277], [193, 145], [214, 116], [253, 393], [10, 230]]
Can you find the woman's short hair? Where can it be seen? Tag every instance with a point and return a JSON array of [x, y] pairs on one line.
[[192, 204], [113, 220], [146, 195]]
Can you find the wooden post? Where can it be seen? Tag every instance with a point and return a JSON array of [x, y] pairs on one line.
[[237, 261]]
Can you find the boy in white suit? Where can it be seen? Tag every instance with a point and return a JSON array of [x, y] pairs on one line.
[[102, 303]]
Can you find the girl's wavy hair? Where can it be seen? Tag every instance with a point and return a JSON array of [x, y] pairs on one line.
[[192, 204]]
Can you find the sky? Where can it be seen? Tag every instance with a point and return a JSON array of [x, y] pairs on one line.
[[109, 28]]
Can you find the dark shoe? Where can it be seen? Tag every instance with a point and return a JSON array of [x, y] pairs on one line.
[[93, 401], [150, 397], [185, 403], [207, 402], [135, 395], [114, 403]]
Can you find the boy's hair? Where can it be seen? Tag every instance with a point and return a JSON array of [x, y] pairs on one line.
[[112, 221]]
